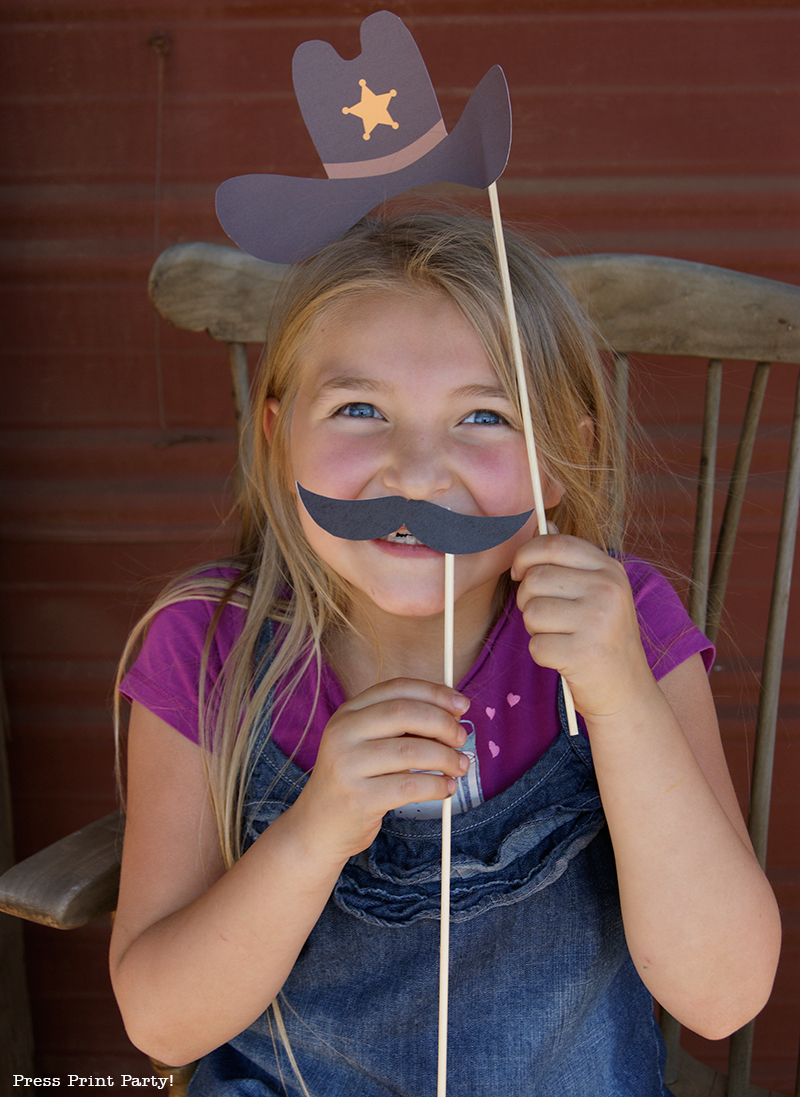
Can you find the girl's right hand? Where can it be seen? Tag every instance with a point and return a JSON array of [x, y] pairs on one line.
[[189, 931], [375, 755]]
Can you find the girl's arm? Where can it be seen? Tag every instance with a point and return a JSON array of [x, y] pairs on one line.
[[700, 919], [198, 952]]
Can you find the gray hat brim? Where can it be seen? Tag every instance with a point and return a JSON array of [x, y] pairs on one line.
[[285, 219]]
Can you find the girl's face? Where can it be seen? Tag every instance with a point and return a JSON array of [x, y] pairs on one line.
[[398, 397]]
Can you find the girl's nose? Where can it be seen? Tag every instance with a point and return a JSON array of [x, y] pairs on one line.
[[416, 468]]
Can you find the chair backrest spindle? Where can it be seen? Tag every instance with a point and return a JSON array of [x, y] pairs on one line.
[[620, 381], [240, 378], [767, 720], [729, 527], [701, 550]]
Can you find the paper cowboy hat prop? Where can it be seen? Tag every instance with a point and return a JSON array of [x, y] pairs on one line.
[[377, 126]]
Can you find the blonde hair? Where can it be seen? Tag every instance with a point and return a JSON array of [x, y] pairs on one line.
[[278, 575]]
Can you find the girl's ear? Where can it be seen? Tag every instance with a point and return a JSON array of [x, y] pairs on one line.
[[272, 406], [553, 489], [586, 427]]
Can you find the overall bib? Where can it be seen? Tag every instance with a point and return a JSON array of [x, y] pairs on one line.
[[544, 997]]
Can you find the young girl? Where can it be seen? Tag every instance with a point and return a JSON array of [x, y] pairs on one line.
[[289, 740]]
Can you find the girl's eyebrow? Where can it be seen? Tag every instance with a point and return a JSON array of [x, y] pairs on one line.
[[349, 384], [482, 392], [356, 383]]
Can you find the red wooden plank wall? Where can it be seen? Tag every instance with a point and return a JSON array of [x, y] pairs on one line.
[[656, 126]]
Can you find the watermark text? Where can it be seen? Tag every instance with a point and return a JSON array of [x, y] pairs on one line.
[[83, 1081]]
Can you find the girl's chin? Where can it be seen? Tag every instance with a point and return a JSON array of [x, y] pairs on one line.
[[402, 580], [420, 598], [402, 604]]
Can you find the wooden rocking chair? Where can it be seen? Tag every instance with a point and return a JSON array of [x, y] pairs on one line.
[[642, 306]]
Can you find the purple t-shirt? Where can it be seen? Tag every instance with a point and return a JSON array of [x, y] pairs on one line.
[[513, 716]]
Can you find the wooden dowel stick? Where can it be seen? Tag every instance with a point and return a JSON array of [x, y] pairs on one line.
[[524, 403], [449, 617], [516, 352], [447, 815]]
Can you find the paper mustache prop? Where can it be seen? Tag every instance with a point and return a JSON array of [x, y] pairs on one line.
[[438, 528], [377, 126]]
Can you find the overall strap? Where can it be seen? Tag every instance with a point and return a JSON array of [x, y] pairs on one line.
[[579, 742], [273, 780], [262, 658]]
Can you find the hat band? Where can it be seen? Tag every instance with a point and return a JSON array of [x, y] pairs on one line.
[[384, 165]]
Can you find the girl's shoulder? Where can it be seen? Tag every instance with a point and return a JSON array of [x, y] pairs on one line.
[[193, 614], [188, 607], [208, 584], [653, 593], [668, 634]]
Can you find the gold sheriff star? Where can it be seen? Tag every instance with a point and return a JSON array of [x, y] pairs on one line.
[[373, 110]]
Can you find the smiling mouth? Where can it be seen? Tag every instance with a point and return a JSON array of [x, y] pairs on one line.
[[401, 537]]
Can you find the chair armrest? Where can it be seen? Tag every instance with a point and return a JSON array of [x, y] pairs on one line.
[[70, 882]]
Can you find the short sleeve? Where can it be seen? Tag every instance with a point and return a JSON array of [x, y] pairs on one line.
[[668, 635], [165, 677]]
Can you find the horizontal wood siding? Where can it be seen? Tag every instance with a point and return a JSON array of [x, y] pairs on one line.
[[658, 127]]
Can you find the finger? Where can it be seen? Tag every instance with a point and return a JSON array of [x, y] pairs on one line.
[[552, 650], [604, 619], [550, 581], [562, 616], [601, 580], [397, 790], [559, 550], [398, 716], [409, 753], [412, 689]]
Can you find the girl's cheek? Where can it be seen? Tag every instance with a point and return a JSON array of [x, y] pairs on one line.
[[502, 478], [337, 466]]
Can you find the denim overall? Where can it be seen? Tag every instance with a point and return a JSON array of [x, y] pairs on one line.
[[544, 998]]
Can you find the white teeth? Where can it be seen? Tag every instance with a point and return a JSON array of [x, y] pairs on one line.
[[401, 538]]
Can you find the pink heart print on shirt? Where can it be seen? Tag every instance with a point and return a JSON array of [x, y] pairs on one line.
[[494, 749], [490, 713], [513, 699]]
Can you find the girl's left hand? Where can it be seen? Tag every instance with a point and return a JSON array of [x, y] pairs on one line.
[[681, 848], [578, 607]]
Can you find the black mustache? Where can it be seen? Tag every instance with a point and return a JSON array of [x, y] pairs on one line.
[[440, 529]]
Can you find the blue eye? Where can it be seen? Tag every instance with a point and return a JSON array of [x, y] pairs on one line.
[[485, 418], [359, 410]]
